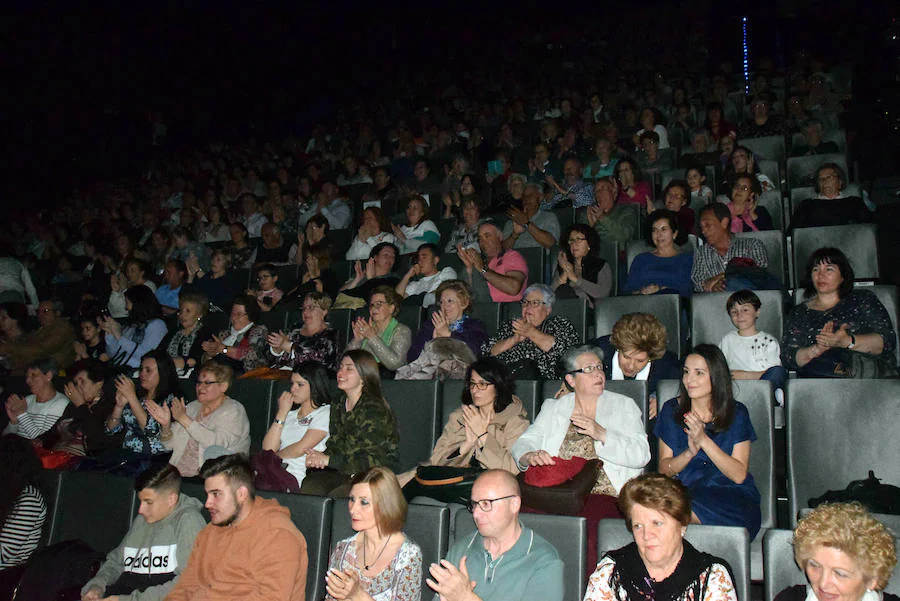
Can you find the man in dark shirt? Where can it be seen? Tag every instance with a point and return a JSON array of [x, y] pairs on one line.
[[813, 132]]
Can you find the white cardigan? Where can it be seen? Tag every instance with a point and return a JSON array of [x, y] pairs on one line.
[[626, 451]]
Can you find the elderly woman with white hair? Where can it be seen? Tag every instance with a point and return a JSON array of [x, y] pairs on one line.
[[532, 345]]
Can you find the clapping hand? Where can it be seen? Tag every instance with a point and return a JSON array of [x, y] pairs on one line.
[[449, 582], [522, 328], [110, 326], [213, 347], [179, 410], [160, 412], [464, 256], [80, 350], [15, 406], [695, 429], [341, 585], [475, 259], [568, 270], [476, 424], [370, 269], [829, 337], [125, 387], [441, 325], [595, 214], [279, 341]]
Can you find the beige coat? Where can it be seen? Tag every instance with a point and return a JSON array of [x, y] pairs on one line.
[[493, 450]]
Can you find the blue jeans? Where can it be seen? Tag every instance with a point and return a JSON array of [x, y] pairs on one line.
[[776, 375]]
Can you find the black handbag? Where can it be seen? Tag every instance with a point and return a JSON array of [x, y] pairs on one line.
[[877, 497], [443, 483]]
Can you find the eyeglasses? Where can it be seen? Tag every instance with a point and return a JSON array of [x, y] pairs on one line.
[[377, 304], [206, 382], [478, 385], [742, 188], [588, 369], [574, 240], [485, 504], [531, 303]]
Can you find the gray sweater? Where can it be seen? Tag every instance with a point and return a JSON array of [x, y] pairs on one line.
[[152, 555]]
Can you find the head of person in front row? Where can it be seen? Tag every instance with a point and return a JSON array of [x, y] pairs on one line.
[[846, 553], [530, 568], [657, 511], [164, 535], [378, 552]]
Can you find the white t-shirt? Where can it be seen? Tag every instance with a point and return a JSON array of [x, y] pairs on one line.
[[429, 284], [415, 236], [751, 353], [295, 429]]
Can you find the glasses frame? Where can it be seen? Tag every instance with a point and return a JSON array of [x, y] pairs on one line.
[[483, 385], [587, 369], [472, 503]]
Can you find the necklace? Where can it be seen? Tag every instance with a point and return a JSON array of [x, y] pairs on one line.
[[367, 564]]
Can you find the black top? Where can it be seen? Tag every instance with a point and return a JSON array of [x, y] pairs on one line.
[[798, 593], [814, 212]]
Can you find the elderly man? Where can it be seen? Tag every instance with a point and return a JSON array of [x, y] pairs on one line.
[[813, 132], [250, 549], [761, 123], [503, 272], [530, 227], [502, 560], [613, 222], [747, 256], [54, 339], [274, 249], [574, 191]]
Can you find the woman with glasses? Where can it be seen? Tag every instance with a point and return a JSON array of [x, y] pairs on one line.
[[665, 269], [382, 335], [746, 214], [830, 205], [580, 273], [451, 320], [243, 346], [185, 345], [378, 562], [704, 441], [314, 340], [481, 432], [589, 422], [532, 345], [213, 423]]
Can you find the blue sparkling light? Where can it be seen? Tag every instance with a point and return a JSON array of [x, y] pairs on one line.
[[746, 47]]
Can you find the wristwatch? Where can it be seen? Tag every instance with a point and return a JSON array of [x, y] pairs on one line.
[[280, 422], [852, 341], [484, 271]]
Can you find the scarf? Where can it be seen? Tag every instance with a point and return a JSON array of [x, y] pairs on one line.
[[631, 581], [869, 595], [181, 343], [385, 336], [742, 222], [457, 326]]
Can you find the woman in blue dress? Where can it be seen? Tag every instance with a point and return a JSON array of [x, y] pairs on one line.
[[704, 441], [665, 269]]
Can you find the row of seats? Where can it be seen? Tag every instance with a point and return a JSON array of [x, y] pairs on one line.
[[99, 510]]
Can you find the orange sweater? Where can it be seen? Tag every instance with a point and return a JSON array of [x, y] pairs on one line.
[[262, 558]]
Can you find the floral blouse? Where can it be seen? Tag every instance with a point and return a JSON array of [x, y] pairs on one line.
[[140, 440], [322, 347], [559, 327], [400, 581]]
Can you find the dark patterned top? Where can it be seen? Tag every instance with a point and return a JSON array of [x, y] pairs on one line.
[[140, 440], [861, 310], [562, 331], [322, 347]]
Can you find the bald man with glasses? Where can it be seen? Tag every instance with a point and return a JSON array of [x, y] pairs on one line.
[[502, 560]]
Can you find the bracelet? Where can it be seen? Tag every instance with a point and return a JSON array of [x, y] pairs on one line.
[[278, 422]]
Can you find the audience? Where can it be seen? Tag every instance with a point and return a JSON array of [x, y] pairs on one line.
[[38, 412], [23, 509], [427, 277], [503, 273], [580, 272]]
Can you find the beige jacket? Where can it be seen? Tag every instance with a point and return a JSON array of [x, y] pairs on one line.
[[492, 452], [227, 427]]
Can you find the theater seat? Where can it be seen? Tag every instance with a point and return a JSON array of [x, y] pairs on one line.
[[710, 320], [416, 405], [773, 241], [838, 430], [666, 307], [800, 170], [426, 525], [766, 148], [568, 535], [726, 542], [48, 484], [858, 241], [258, 398], [93, 507]]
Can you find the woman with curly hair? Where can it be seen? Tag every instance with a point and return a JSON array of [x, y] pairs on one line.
[[846, 553]]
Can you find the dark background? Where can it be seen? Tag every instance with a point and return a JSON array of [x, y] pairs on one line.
[[80, 80]]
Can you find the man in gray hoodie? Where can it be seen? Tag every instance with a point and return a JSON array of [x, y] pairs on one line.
[[156, 549]]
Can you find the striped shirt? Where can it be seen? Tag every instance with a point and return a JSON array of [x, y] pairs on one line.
[[38, 417], [21, 531]]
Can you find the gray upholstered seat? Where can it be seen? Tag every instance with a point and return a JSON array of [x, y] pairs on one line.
[[416, 405], [666, 307], [710, 320], [858, 241]]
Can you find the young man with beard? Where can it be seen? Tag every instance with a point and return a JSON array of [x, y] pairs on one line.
[[250, 550]]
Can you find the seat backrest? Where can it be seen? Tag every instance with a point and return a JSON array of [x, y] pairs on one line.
[[771, 170], [773, 203], [801, 193], [534, 258], [726, 542], [576, 311], [838, 430], [800, 170], [48, 484], [416, 403], [609, 252], [488, 313], [635, 247], [567, 534], [257, 397], [766, 148], [859, 242], [666, 307], [773, 241], [426, 525], [94, 507], [313, 518], [779, 568], [758, 397], [710, 320]]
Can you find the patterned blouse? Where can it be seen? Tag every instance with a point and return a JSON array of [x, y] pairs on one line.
[[861, 310], [548, 363], [251, 349], [140, 440], [716, 581], [400, 581], [323, 347]]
